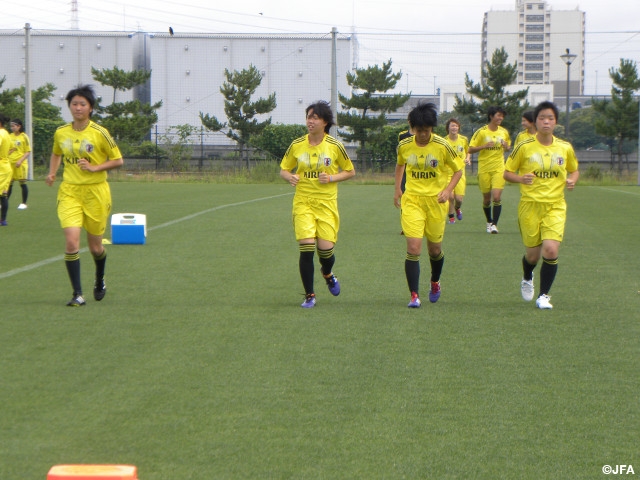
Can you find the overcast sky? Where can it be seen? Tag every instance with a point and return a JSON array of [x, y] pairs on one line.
[[368, 17], [261, 16]]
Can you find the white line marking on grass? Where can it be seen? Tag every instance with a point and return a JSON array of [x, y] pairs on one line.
[[57, 258], [619, 191]]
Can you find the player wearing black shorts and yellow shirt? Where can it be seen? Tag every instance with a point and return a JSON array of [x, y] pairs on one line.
[[490, 142], [428, 160], [84, 198], [319, 162], [543, 166]]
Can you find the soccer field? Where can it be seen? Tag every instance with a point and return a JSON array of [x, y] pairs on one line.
[[200, 363]]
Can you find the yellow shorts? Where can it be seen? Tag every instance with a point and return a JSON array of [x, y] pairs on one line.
[[461, 186], [315, 218], [21, 172], [86, 206], [541, 221], [5, 176], [491, 181], [423, 217]]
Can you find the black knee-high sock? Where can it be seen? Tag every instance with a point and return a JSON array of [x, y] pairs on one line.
[[10, 190], [306, 267], [497, 209], [25, 192], [527, 269], [327, 260], [436, 266], [412, 271], [4, 205], [72, 261], [547, 274], [487, 212], [100, 261]]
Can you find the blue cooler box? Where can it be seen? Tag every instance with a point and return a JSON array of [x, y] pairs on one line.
[[128, 229]]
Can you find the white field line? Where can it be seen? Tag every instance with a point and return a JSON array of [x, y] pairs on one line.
[[59, 258]]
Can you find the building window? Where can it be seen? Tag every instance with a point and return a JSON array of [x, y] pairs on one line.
[[534, 47], [534, 38], [534, 28], [534, 57], [535, 18], [535, 67], [532, 77]]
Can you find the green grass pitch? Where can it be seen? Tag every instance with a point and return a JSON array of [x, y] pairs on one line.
[[200, 363]]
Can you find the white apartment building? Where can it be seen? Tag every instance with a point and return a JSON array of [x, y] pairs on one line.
[[535, 36]]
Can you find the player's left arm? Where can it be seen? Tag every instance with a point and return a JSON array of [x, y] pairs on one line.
[[110, 164], [572, 179]]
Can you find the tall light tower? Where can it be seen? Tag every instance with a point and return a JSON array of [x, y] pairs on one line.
[[568, 58]]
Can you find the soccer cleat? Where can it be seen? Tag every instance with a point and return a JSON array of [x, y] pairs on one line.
[[543, 302], [415, 301], [526, 289], [22, 206], [434, 294], [489, 227], [333, 284], [494, 228], [99, 290], [309, 301], [76, 301], [452, 220], [459, 214], [3, 223]]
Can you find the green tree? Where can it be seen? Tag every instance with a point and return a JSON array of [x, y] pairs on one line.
[[618, 117], [275, 139], [120, 79], [367, 86], [240, 110], [46, 116], [130, 121], [496, 76], [583, 130], [179, 146]]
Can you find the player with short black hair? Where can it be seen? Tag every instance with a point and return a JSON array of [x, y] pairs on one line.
[[490, 142], [543, 165], [428, 160], [5, 169], [528, 125], [320, 162], [84, 198], [18, 155]]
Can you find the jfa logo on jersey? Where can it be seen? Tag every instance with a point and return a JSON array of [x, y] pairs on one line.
[[89, 148], [560, 161], [327, 161], [433, 163]]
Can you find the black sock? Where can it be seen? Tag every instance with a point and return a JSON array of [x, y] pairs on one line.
[[547, 274], [436, 266], [412, 271], [527, 269], [487, 212], [4, 205], [497, 209], [25, 192], [327, 260], [306, 267], [100, 260], [72, 261]]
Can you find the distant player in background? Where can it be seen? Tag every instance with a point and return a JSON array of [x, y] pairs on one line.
[[84, 197], [320, 162], [490, 142], [460, 144], [5, 169], [529, 127], [543, 165], [18, 155], [428, 159]]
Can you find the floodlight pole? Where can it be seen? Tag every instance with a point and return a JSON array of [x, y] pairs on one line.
[[28, 110], [334, 81], [568, 58]]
